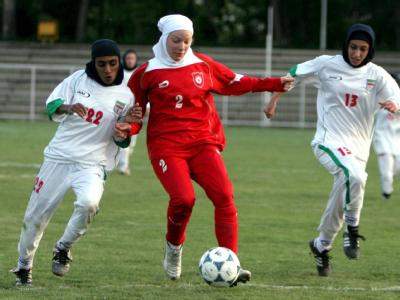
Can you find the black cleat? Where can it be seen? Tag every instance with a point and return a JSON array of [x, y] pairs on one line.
[[24, 276], [61, 260], [321, 259], [351, 245], [243, 277], [386, 196]]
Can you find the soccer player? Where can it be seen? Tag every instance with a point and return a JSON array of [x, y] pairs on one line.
[[386, 143], [350, 90], [185, 136], [87, 104], [129, 63]]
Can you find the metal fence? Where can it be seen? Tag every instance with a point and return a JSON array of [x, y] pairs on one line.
[[25, 87]]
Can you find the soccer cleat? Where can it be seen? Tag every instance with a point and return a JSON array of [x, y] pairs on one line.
[[24, 276], [386, 196], [351, 245], [61, 260], [321, 259], [173, 261], [243, 277]]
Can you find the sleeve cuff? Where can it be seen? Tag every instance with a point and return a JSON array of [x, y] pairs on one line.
[[135, 128], [52, 107], [123, 144]]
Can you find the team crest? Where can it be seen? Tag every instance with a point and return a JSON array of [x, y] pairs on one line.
[[198, 79], [119, 107], [370, 84]]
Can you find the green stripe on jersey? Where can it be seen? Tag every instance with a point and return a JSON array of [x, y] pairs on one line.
[[52, 107], [293, 70], [345, 171]]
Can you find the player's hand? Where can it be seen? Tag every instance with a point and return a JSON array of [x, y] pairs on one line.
[[135, 114], [270, 108], [122, 130], [287, 82], [389, 105], [78, 109]]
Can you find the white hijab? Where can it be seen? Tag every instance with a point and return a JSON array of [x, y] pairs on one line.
[[167, 25]]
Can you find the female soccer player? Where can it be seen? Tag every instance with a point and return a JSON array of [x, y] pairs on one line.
[[351, 89], [386, 143], [185, 136], [87, 104], [129, 63]]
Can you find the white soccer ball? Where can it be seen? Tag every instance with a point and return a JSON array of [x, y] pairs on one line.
[[219, 267]]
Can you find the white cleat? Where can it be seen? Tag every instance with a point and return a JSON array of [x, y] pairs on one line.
[[173, 261]]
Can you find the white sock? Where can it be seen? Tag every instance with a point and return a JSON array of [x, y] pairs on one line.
[[25, 264], [174, 247], [322, 244]]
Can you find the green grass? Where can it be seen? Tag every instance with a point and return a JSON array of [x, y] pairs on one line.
[[280, 189]]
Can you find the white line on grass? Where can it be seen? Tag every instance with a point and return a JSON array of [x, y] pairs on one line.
[[11, 164], [8, 176], [268, 286]]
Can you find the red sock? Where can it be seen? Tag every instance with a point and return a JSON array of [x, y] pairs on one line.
[[226, 227]]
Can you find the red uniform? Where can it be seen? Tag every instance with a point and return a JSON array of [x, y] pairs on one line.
[[185, 137]]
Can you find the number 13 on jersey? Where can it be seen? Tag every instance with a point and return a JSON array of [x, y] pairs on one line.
[[350, 100]]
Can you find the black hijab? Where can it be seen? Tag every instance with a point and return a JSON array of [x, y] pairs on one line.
[[104, 47], [359, 32]]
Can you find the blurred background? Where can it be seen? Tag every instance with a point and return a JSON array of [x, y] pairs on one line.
[[43, 41]]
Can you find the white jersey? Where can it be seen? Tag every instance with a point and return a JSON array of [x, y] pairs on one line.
[[347, 101], [87, 140], [387, 133]]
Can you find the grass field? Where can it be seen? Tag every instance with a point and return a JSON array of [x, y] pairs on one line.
[[280, 190]]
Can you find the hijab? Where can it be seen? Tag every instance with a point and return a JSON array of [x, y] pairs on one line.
[[359, 32], [99, 48], [166, 25]]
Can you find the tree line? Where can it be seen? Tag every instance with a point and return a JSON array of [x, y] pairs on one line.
[[238, 23]]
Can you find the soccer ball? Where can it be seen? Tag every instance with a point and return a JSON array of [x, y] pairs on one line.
[[219, 267]]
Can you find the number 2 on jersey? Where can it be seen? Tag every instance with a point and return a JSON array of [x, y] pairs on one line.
[[350, 100]]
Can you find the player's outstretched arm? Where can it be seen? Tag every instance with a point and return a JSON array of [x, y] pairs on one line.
[[287, 83], [77, 108], [270, 108]]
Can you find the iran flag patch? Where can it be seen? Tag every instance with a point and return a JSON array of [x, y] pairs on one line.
[[370, 84], [198, 79], [119, 107]]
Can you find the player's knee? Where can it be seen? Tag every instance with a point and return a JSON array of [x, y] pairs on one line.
[[357, 179], [180, 212], [185, 202], [223, 198], [88, 207]]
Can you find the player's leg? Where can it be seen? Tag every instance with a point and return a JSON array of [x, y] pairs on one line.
[[124, 157], [349, 193], [209, 171], [51, 184], [123, 161], [88, 185], [174, 175], [332, 218], [386, 163], [397, 166]]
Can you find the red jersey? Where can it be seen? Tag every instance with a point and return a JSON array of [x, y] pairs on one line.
[[182, 108]]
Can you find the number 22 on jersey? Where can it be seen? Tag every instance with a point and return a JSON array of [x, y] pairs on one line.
[[96, 115]]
